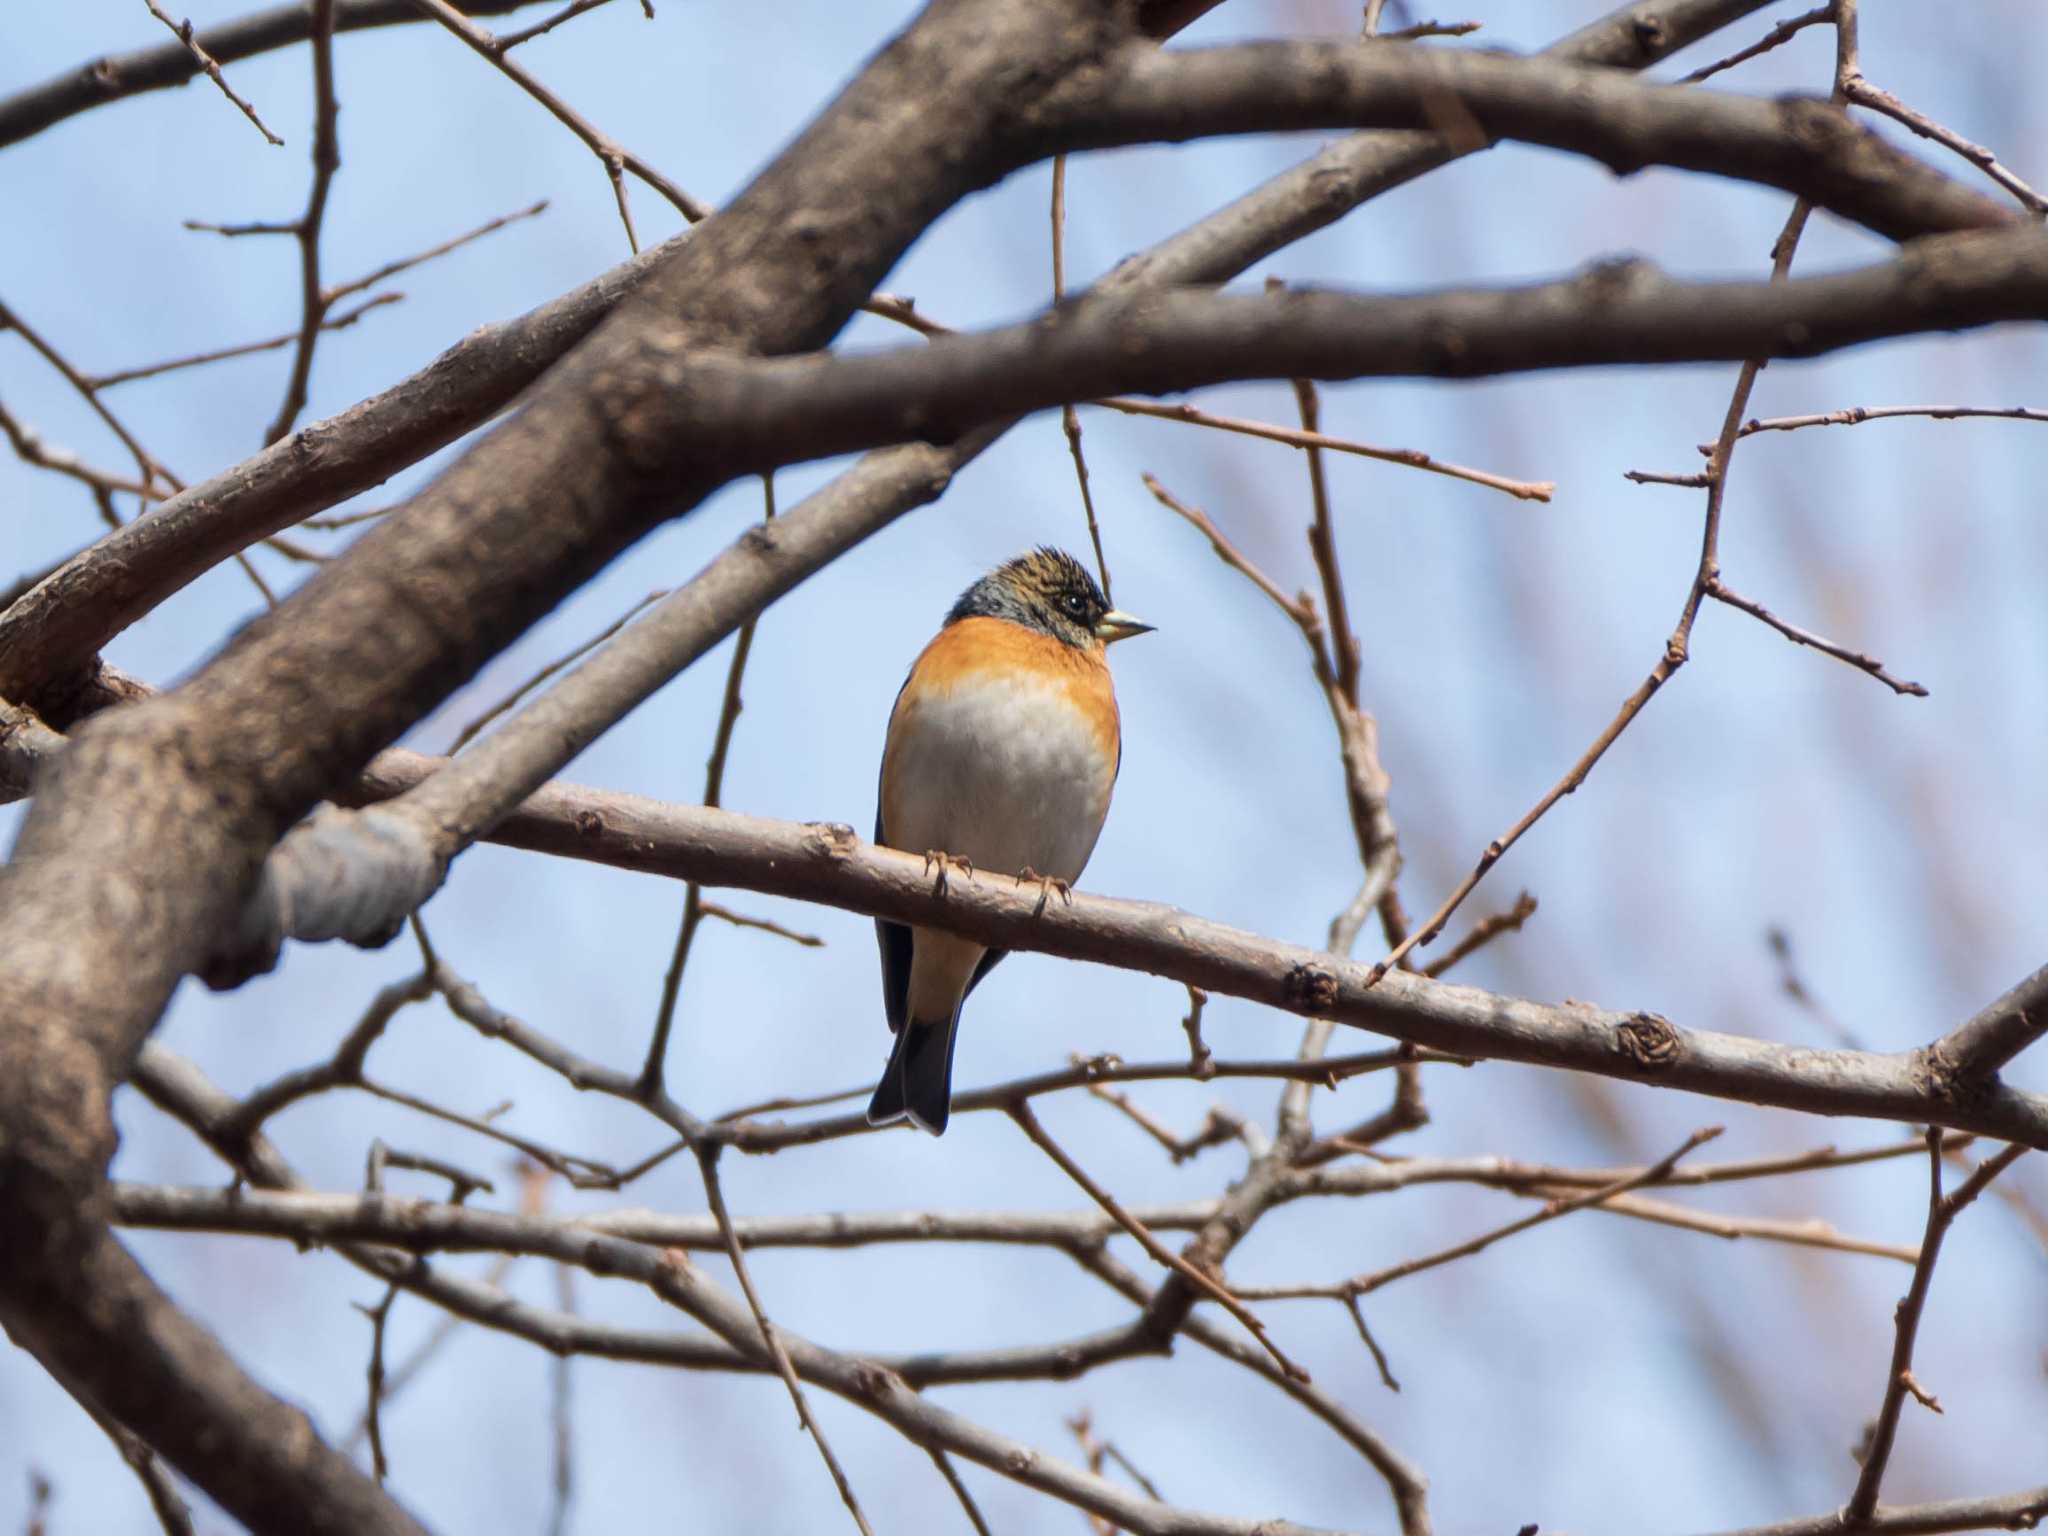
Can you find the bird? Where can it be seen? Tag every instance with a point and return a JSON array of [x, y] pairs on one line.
[[1002, 749]]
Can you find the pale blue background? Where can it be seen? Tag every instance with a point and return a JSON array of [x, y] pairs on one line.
[[1598, 1376]]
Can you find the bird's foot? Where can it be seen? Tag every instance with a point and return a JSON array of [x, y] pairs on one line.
[[1047, 884], [942, 860]]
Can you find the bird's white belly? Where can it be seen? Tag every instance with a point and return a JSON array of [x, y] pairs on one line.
[[1002, 771]]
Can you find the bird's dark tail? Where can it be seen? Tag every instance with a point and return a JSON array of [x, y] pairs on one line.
[[917, 1085]]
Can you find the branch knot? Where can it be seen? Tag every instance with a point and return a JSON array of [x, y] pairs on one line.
[[1648, 1039]]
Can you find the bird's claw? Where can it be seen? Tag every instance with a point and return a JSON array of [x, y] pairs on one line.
[[941, 859], [1047, 884]]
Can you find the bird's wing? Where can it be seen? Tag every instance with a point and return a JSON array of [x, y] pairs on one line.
[[894, 942], [895, 939]]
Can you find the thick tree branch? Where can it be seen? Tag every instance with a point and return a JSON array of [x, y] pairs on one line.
[[829, 864], [2006, 1512], [770, 412], [1810, 148], [121, 75], [152, 827], [358, 877], [149, 833], [1972, 1053], [431, 1226], [1335, 180], [51, 634], [108, 587]]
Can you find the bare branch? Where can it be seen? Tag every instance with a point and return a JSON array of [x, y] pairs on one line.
[[1070, 419], [1941, 1214], [326, 161], [1782, 33], [615, 159], [116, 77], [1975, 1050], [1207, 1284], [1363, 1285], [1861, 413], [54, 631], [820, 862], [340, 322], [1522, 490], [1721, 592], [1864, 94], [1807, 148], [207, 62], [1484, 932], [1618, 313], [714, 1193], [2012, 1511]]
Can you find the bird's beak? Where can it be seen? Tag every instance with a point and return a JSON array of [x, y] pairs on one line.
[[1118, 625]]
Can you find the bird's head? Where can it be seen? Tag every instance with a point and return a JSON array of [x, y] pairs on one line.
[[1048, 590]]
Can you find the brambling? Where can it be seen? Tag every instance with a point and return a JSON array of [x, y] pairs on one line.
[[1003, 747]]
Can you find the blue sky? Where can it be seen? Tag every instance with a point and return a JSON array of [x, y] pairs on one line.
[[1599, 1375]]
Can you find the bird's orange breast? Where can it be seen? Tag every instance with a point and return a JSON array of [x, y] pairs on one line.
[[976, 647]]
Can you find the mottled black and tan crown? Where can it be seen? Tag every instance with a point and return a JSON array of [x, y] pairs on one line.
[[1047, 589]]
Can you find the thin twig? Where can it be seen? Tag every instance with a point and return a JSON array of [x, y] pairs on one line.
[[347, 519], [338, 322], [1363, 1285], [1899, 1383], [532, 1202], [152, 471], [1783, 32], [470, 731], [1864, 94], [1422, 29], [729, 707], [235, 231], [1220, 1127], [707, 1163], [509, 40], [1209, 1286], [1523, 490], [373, 1416], [759, 924], [434, 252], [1799, 1234], [1484, 932], [211, 65], [1070, 419], [326, 161], [1379, 1356], [1697, 482], [1794, 986], [173, 1515], [1856, 414], [560, 1403], [32, 448], [1677, 646], [615, 159], [1721, 592], [959, 1486], [1201, 1060], [1235, 558]]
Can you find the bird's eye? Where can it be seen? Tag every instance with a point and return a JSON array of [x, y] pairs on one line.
[[1075, 605]]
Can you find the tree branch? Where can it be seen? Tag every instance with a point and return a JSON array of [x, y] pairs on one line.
[[829, 864], [108, 587], [117, 76], [52, 632], [772, 412], [150, 831], [1972, 1053], [1805, 147]]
